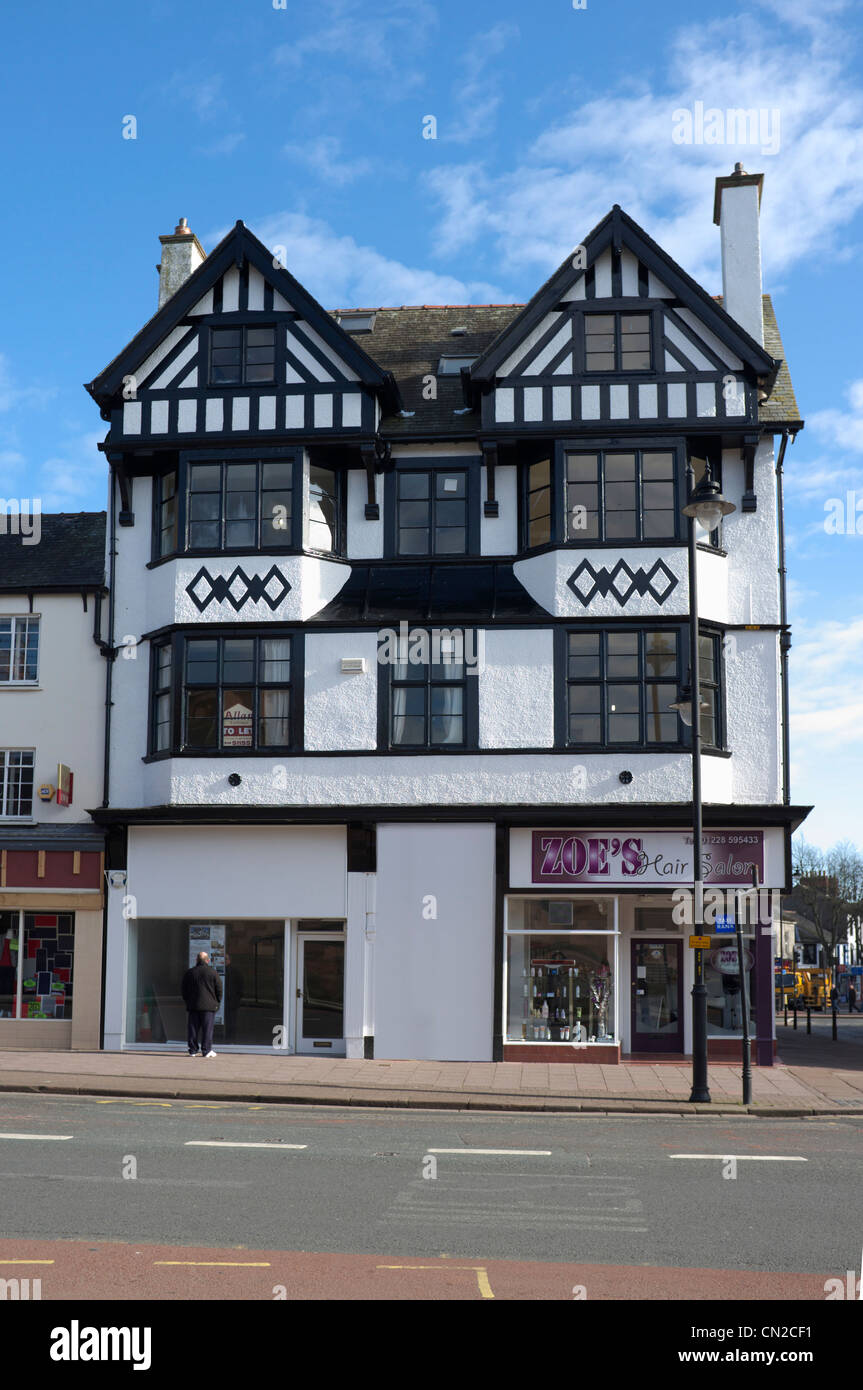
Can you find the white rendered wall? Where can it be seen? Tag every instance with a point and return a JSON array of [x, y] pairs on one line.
[[365, 538], [475, 779], [752, 699], [499, 534], [434, 977], [62, 717], [341, 711], [516, 689]]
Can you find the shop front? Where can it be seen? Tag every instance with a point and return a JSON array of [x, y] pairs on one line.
[[51, 899], [269, 907], [597, 958]]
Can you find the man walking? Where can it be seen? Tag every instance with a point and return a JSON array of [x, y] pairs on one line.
[[852, 1000], [202, 995]]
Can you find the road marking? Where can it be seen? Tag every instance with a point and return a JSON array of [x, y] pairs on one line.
[[219, 1264], [237, 1144], [56, 1137], [507, 1153], [479, 1270], [746, 1158], [125, 1100], [26, 1262]]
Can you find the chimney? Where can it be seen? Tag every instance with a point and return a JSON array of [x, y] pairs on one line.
[[182, 253], [736, 208]]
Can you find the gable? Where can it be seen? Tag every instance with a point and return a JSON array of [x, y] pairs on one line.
[[702, 366], [161, 386]]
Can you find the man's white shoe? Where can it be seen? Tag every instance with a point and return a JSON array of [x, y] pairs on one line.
[[211, 1054]]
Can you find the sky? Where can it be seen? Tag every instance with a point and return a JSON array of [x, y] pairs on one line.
[[306, 119]]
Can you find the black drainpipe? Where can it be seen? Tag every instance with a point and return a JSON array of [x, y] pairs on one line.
[[784, 634], [107, 649]]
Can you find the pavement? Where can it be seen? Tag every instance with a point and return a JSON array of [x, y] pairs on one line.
[[814, 1076]]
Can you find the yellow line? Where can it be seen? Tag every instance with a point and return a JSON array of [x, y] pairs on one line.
[[125, 1100], [479, 1270], [26, 1262], [226, 1264], [446, 1267]]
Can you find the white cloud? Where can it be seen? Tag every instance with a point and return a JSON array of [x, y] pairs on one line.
[[341, 273], [226, 145], [843, 427], [322, 155], [478, 94], [13, 396], [826, 677], [619, 148], [378, 40]]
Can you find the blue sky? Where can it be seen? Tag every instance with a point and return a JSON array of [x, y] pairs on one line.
[[306, 122]]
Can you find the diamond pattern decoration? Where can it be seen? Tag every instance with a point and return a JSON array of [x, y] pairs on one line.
[[238, 589], [622, 582]]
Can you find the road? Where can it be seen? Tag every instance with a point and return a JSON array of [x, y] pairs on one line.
[[156, 1199]]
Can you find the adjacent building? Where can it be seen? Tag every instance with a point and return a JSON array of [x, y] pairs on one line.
[[400, 621], [52, 708]]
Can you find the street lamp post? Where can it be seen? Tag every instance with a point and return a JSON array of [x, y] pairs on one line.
[[705, 506]]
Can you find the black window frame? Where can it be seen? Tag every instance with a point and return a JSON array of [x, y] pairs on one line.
[[618, 314], [563, 682], [468, 682], [300, 504], [177, 641], [600, 446], [433, 466], [243, 329]]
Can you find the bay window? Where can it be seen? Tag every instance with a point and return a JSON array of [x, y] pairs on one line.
[[215, 694]]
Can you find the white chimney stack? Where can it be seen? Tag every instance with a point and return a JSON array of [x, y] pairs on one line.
[[182, 253], [736, 209]]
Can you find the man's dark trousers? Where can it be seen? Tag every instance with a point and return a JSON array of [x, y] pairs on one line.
[[201, 1022]]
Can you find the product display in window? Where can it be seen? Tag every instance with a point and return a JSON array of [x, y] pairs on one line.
[[560, 989]]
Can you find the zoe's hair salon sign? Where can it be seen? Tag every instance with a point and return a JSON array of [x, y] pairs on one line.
[[650, 857]]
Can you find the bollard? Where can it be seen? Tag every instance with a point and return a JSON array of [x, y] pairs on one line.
[[786, 1013], [794, 1007], [835, 1034], [808, 1019]]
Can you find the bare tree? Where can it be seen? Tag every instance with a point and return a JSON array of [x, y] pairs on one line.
[[828, 890]]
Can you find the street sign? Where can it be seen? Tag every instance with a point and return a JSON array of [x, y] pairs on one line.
[[700, 943], [724, 924]]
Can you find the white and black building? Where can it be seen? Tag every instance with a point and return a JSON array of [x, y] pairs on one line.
[[52, 747], [408, 593]]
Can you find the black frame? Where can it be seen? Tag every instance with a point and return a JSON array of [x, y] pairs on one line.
[[470, 708], [243, 329], [299, 504], [177, 642], [562, 684], [468, 465], [557, 454], [600, 311]]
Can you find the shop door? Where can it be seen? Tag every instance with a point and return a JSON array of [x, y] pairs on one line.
[[321, 993], [657, 996]]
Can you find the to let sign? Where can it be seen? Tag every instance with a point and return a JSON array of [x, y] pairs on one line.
[[649, 857]]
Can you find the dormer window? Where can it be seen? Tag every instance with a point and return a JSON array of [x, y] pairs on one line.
[[357, 323], [451, 366], [242, 355], [617, 342]]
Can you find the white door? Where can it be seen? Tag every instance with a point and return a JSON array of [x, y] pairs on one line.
[[320, 993]]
